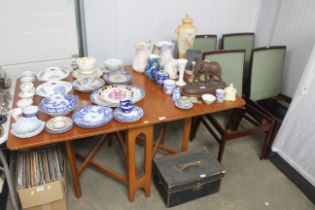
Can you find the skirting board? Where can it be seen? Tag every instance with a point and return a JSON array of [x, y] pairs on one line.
[[305, 186]]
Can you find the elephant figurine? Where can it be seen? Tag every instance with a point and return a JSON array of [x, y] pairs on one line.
[[205, 70]]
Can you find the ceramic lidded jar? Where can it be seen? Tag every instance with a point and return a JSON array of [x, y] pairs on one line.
[[185, 34], [143, 50], [230, 93]]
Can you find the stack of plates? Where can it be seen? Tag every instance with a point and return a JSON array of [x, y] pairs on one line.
[[92, 116], [127, 117], [52, 73], [110, 96], [53, 87], [117, 77], [88, 84], [27, 127], [96, 73], [59, 125], [58, 105], [113, 64]]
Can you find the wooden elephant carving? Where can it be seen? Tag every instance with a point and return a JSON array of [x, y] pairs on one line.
[[205, 70]]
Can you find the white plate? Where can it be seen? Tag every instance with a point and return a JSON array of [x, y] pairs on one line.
[[115, 94], [53, 87], [32, 133], [59, 124], [97, 73], [117, 77], [52, 73]]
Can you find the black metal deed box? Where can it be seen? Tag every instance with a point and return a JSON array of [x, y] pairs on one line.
[[186, 176]]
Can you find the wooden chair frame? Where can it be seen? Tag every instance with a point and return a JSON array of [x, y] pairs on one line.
[[208, 36]]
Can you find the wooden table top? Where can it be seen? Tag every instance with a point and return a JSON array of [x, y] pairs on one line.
[[157, 106]]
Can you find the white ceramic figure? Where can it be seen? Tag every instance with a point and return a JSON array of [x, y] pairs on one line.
[[166, 50], [171, 67], [230, 93], [181, 68], [143, 50]]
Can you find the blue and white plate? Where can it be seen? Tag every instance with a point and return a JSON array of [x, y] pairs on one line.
[[136, 92], [58, 105], [134, 115], [92, 116], [88, 84], [52, 73], [117, 77], [29, 134], [53, 87], [189, 106]]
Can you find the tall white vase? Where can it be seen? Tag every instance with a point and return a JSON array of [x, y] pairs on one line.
[[181, 68], [166, 50]]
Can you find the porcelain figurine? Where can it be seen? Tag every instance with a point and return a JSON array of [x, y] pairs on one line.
[[181, 68], [166, 50], [171, 67], [143, 50], [185, 34], [230, 93], [153, 66]]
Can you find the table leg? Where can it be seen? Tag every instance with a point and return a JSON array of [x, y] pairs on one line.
[[134, 182], [186, 134], [74, 169]]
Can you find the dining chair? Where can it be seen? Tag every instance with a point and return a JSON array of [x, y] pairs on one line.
[[232, 65], [243, 41], [205, 43]]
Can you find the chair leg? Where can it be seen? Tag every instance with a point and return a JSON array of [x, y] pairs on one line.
[[221, 149], [194, 128]]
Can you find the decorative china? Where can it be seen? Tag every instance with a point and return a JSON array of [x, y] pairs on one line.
[[27, 127], [16, 113], [186, 106], [185, 34], [24, 102], [169, 86], [28, 74], [52, 73], [136, 95], [230, 93], [117, 77], [58, 105], [30, 111], [160, 76], [153, 66], [184, 101], [133, 115], [88, 84], [92, 116], [208, 98], [113, 64], [115, 94], [181, 69], [126, 106], [59, 125], [219, 93], [27, 94], [27, 87], [86, 65], [166, 51], [143, 50], [97, 73], [53, 87], [27, 79]]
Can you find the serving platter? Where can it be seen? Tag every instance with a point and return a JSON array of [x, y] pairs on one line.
[[128, 117], [137, 94], [92, 116], [52, 73], [27, 127], [117, 77], [88, 84], [53, 87]]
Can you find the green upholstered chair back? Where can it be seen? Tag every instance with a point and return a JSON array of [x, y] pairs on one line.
[[205, 43], [266, 72], [232, 65]]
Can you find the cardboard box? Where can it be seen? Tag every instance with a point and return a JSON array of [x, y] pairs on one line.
[[49, 196]]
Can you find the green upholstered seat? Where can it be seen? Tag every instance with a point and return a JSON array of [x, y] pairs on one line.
[[232, 65], [205, 43], [266, 72]]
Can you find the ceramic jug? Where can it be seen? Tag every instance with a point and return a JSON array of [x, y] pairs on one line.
[[143, 50], [166, 50], [185, 34]]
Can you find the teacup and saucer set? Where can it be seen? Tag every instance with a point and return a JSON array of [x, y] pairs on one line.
[[86, 68], [127, 112], [27, 90], [184, 102]]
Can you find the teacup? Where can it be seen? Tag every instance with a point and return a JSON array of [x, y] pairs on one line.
[[168, 86], [219, 94], [28, 74], [126, 106], [27, 79], [24, 102], [30, 111], [184, 101], [27, 87], [86, 65]]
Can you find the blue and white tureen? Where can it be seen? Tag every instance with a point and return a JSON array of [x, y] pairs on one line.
[[58, 104], [53, 87], [52, 73], [27, 127]]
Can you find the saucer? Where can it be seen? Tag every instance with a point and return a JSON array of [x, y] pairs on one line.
[[96, 73], [117, 77], [127, 117], [185, 107], [59, 124], [88, 84]]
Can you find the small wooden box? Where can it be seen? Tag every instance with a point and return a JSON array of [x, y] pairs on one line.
[[186, 176]]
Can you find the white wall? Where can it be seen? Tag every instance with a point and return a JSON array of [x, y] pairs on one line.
[[33, 32], [293, 26], [114, 26]]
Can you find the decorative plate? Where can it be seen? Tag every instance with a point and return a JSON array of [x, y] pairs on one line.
[[59, 125], [92, 116], [184, 107], [22, 133], [137, 94], [117, 77], [97, 73], [128, 117], [53, 87], [52, 73], [88, 84], [115, 94], [58, 105]]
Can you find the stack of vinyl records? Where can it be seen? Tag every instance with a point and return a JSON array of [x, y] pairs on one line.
[[38, 167]]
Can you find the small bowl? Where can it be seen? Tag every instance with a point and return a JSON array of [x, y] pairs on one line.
[[24, 102], [28, 74], [27, 86], [27, 79], [208, 98], [30, 111]]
